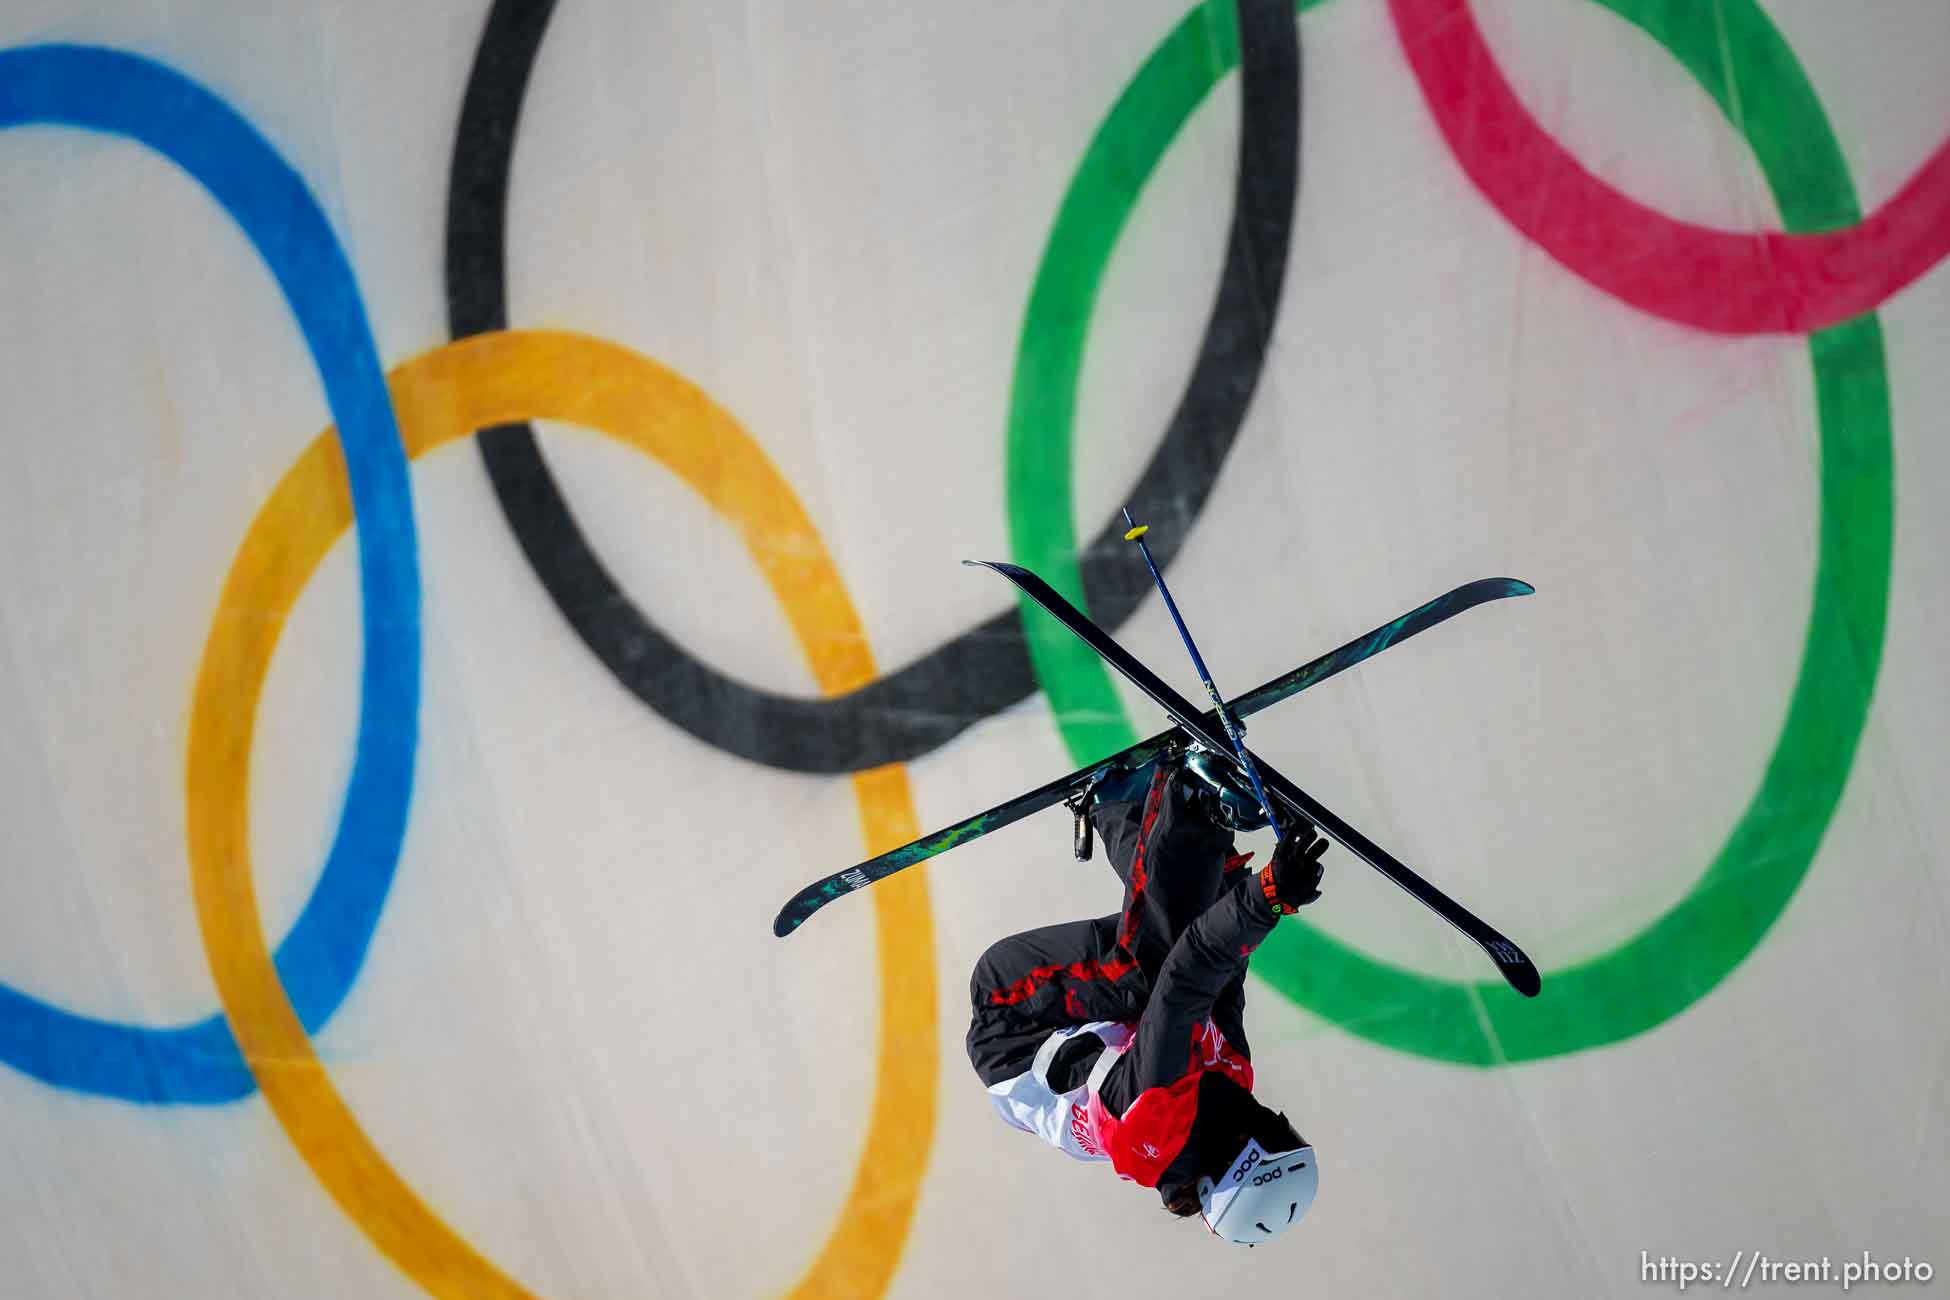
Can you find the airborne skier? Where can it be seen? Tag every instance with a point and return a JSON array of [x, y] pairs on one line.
[[1123, 1038]]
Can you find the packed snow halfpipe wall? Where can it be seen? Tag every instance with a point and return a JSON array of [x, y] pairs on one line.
[[487, 490]]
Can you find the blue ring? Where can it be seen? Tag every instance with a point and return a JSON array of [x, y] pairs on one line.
[[124, 94]]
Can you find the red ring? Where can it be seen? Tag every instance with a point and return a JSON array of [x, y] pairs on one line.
[[1729, 282]]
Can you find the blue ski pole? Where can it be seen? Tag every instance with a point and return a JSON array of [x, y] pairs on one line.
[[1234, 732]]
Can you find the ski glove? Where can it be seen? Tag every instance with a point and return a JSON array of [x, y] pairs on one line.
[[1292, 879]]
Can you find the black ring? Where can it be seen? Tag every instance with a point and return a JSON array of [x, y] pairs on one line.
[[918, 707]]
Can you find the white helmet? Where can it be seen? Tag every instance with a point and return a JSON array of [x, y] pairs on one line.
[[1262, 1194]]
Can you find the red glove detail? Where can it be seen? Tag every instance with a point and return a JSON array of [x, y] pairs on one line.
[[1292, 879]]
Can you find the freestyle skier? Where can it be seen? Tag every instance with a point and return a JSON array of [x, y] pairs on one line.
[[1123, 1038]]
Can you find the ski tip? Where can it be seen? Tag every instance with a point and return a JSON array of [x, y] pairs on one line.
[[1517, 969], [1518, 587], [1512, 963], [1135, 533]]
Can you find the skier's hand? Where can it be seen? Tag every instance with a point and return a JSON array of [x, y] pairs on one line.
[[1292, 879]]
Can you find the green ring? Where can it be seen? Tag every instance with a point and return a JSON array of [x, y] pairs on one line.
[[1696, 943]]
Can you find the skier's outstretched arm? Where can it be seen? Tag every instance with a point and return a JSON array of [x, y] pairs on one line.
[[1207, 957], [1204, 966]]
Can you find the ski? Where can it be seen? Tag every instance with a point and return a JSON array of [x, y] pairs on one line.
[[1515, 967], [841, 883], [1312, 673]]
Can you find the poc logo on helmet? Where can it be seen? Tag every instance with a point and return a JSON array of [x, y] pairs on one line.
[[1262, 1195]]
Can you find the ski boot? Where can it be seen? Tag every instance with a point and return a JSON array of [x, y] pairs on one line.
[[1229, 801]]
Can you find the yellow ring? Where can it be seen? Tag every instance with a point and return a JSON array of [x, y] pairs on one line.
[[441, 397]]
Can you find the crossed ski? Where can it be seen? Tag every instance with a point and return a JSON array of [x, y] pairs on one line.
[[1196, 727], [1510, 960]]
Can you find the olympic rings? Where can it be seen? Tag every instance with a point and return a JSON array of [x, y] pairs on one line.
[[930, 700], [1704, 936], [441, 397], [122, 94], [1732, 282], [274, 1004]]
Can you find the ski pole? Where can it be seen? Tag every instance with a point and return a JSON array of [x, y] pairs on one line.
[[1234, 732]]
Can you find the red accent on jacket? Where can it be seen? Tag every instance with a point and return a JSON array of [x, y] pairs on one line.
[[1148, 1136]]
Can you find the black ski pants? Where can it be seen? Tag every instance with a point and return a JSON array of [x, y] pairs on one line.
[[1172, 860]]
